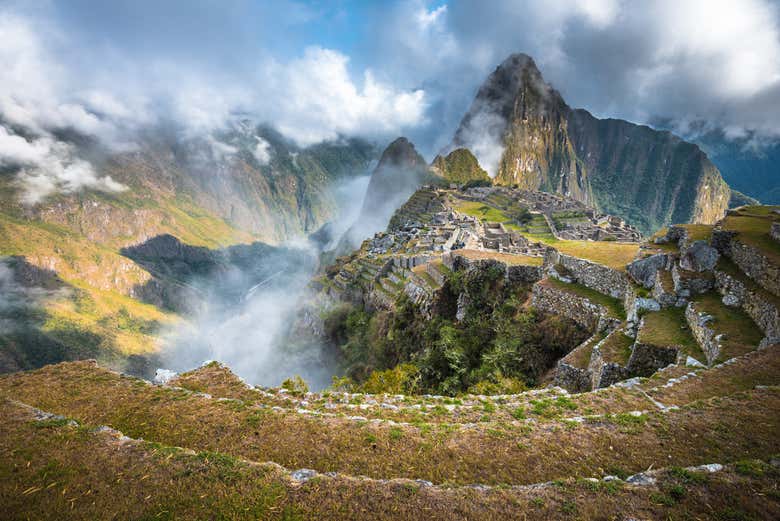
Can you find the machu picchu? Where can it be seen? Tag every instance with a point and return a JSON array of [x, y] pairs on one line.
[[300, 260]]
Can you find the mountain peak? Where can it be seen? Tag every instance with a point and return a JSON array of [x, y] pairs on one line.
[[401, 153]]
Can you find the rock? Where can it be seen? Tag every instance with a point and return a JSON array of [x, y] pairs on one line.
[[303, 474], [692, 362], [644, 271], [163, 376], [641, 479], [649, 304], [700, 256], [710, 467], [731, 300]]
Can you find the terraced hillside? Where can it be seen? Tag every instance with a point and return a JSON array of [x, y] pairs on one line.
[[651, 393]]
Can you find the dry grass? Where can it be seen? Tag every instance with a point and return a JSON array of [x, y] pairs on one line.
[[53, 471], [506, 258], [615, 255], [756, 368], [490, 453]]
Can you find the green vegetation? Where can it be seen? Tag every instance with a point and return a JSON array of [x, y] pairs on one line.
[[753, 223], [668, 327], [460, 166], [741, 334], [499, 346]]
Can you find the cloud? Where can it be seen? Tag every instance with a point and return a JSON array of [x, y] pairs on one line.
[[58, 75], [313, 98], [262, 151], [48, 166]]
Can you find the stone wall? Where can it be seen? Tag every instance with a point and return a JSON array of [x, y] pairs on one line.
[[750, 260], [555, 301], [517, 273], [758, 304], [705, 336], [573, 379], [595, 276], [646, 359]]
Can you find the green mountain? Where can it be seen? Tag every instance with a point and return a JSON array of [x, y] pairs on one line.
[[648, 177], [459, 166]]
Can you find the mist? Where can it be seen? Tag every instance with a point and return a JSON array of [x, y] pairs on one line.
[[250, 317]]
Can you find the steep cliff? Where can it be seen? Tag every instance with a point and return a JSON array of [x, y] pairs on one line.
[[648, 177]]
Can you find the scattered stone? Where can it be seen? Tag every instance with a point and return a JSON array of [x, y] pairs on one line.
[[163, 376], [692, 362], [730, 300], [710, 467], [641, 479], [303, 475]]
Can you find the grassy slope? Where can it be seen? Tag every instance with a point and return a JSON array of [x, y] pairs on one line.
[[59, 471], [490, 453]]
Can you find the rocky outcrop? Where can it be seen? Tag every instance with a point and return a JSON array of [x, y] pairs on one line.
[[645, 270], [648, 177], [774, 232], [699, 256]]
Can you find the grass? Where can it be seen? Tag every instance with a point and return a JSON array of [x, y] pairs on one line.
[[481, 210], [73, 473], [668, 327], [741, 333], [506, 258], [446, 454], [698, 232], [613, 306], [613, 254], [580, 356], [617, 347], [753, 223]]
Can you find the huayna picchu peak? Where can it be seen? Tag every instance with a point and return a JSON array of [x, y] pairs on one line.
[[280, 261], [536, 141]]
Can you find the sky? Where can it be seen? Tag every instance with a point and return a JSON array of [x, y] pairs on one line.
[[322, 69]]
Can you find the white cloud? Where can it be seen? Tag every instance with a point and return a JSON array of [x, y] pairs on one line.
[[313, 98], [47, 166], [262, 151]]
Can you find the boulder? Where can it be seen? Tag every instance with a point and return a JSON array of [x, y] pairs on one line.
[[644, 271], [700, 256]]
